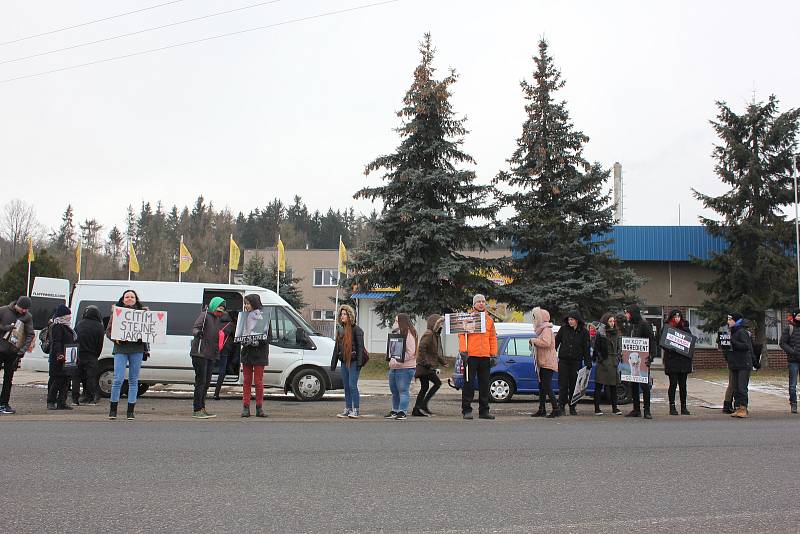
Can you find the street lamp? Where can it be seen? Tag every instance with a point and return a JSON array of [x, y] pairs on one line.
[[796, 227]]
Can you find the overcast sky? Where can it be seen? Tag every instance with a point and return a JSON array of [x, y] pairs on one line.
[[302, 108]]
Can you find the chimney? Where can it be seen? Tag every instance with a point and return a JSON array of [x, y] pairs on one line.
[[617, 193]]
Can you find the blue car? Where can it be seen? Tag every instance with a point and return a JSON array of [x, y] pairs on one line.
[[515, 372]]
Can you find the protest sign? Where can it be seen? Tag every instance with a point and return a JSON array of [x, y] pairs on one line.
[[146, 326], [465, 323], [678, 341], [252, 327], [635, 365], [70, 355], [724, 340], [396, 347], [581, 385]]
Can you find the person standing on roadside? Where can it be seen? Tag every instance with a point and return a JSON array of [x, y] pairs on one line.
[[677, 366], [790, 343], [606, 353], [572, 344], [61, 335], [740, 363], [91, 336], [429, 356], [227, 350], [544, 342], [128, 354], [254, 357], [478, 350], [204, 352], [402, 373], [349, 350], [638, 327], [16, 335]]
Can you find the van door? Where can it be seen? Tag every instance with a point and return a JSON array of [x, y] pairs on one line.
[[287, 345], [234, 304]]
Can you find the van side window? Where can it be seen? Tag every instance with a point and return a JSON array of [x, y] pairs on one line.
[[286, 332]]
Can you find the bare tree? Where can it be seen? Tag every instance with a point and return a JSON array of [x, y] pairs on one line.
[[17, 223]]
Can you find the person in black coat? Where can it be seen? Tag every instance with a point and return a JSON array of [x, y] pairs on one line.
[[61, 336], [638, 327], [91, 334], [227, 351], [677, 366], [573, 346], [740, 363], [790, 343]]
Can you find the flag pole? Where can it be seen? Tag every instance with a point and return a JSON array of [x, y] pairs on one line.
[[278, 269], [230, 258], [338, 273], [80, 260], [129, 258], [28, 286], [180, 250]]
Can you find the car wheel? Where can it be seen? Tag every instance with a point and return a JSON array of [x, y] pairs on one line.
[[105, 379], [501, 388], [308, 385]]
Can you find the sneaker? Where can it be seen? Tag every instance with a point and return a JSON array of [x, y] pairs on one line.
[[209, 415], [401, 416], [416, 412], [200, 414], [573, 410], [60, 407], [390, 415], [617, 411], [794, 408], [344, 414], [353, 414], [467, 415], [51, 406], [555, 413], [246, 411], [92, 402], [597, 411], [426, 411], [6, 409], [486, 416], [647, 414], [260, 412]]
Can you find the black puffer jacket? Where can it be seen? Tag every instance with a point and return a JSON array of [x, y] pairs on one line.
[[741, 356], [638, 327], [91, 334], [573, 344], [674, 362], [790, 343]]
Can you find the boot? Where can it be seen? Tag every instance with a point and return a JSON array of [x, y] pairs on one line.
[[51, 406], [727, 407], [541, 413], [130, 415], [634, 413], [112, 410], [794, 408], [672, 409], [245, 411], [216, 391], [416, 412], [260, 411], [685, 410], [647, 413], [741, 412], [573, 410]]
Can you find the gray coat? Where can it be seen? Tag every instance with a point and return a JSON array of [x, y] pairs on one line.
[[205, 343], [9, 317]]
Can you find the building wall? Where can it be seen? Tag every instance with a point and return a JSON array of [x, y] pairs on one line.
[[670, 284]]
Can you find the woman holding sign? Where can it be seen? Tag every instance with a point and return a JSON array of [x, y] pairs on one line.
[[401, 370], [126, 354], [62, 338], [254, 355], [677, 366]]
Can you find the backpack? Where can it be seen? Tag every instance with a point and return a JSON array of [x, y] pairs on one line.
[[44, 338]]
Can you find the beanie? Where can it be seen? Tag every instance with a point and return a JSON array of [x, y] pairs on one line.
[[62, 311], [477, 298], [215, 303], [735, 316], [24, 302]]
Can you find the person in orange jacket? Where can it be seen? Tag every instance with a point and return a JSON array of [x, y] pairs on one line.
[[477, 350]]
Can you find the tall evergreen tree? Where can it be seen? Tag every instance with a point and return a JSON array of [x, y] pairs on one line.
[[432, 208], [559, 206], [15, 279], [64, 239], [754, 160], [257, 274]]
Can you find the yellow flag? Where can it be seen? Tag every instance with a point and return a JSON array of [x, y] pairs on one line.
[[78, 259], [31, 257], [235, 253], [133, 263], [342, 257], [281, 257], [185, 259]]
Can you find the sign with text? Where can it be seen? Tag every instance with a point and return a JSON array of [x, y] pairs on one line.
[[724, 340], [635, 365], [465, 323], [252, 327], [70, 355], [581, 385], [678, 341], [138, 325]]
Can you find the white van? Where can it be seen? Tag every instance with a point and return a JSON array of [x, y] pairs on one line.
[[299, 357]]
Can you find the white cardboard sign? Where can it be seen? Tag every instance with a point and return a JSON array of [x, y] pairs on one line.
[[138, 325]]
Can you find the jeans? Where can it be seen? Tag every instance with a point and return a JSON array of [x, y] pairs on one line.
[[794, 367], [134, 363], [480, 367], [400, 384], [424, 396], [9, 366], [350, 379], [253, 373], [202, 378]]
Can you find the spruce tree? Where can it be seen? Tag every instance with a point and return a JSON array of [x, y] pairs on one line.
[[257, 274], [432, 208], [560, 206], [754, 161]]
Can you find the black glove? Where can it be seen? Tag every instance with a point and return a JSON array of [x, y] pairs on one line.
[[145, 356], [492, 361]]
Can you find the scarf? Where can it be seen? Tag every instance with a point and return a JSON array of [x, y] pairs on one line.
[[64, 319]]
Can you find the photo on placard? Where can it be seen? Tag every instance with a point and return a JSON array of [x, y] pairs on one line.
[[635, 364], [252, 326], [396, 347], [465, 323]]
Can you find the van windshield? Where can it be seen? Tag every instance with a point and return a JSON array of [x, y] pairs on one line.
[[299, 320]]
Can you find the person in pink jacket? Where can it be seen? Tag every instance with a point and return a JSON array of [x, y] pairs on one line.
[[546, 360], [402, 372]]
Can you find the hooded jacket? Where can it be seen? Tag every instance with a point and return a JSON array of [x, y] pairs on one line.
[[573, 343], [9, 318], [790, 341], [429, 354], [358, 338], [545, 340], [205, 332], [675, 362], [638, 327], [741, 356], [90, 333]]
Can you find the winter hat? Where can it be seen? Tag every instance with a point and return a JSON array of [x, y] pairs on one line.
[[672, 314], [24, 302], [795, 313], [735, 316], [477, 298], [62, 311], [215, 303]]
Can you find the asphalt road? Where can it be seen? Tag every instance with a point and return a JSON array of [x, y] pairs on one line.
[[515, 474]]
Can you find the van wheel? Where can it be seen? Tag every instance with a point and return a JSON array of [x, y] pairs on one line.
[[501, 388], [105, 379], [308, 385]]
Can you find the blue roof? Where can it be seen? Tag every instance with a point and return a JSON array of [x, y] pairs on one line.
[[663, 243], [375, 295]]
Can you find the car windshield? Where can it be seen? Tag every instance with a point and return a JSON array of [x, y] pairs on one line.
[[300, 321]]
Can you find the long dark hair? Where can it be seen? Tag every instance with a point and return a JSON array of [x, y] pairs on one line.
[[404, 322], [254, 301], [137, 305]]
